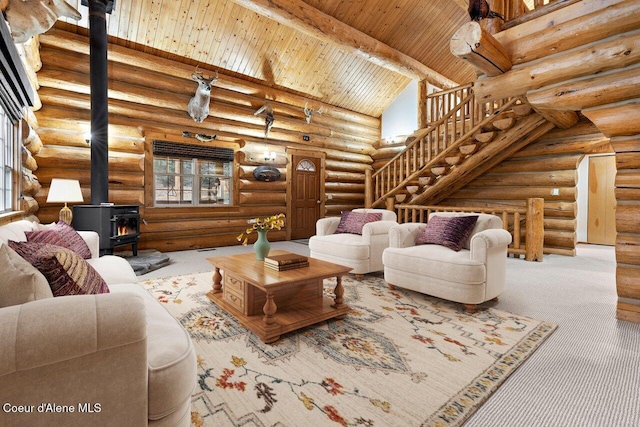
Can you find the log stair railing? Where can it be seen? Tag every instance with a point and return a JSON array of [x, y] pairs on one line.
[[414, 175], [526, 224]]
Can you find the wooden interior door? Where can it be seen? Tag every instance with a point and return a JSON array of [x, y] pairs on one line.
[[601, 224], [305, 196]]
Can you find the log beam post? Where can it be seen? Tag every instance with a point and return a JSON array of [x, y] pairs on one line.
[[534, 240], [562, 119], [368, 188], [390, 204], [476, 46], [423, 88]]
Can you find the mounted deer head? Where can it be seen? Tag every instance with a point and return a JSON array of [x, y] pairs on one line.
[[30, 17], [198, 107], [268, 117], [308, 113]]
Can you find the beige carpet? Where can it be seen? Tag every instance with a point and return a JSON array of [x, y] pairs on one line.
[[399, 359]]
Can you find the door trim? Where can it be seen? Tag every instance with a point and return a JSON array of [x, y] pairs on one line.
[[305, 153]]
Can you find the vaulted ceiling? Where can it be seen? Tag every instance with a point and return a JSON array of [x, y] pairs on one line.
[[223, 35]]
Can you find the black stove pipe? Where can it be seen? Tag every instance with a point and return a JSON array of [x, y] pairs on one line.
[[99, 102]]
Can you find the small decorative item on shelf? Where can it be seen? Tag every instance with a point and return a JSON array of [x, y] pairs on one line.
[[261, 226]]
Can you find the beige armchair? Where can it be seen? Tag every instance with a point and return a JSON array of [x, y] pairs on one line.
[[363, 252], [471, 276]]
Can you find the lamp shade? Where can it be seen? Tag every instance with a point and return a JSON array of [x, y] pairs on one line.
[[65, 191]]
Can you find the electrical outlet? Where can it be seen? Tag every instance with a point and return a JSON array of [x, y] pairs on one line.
[[555, 191], [305, 137]]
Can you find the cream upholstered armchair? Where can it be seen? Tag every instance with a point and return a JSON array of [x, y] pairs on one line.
[[362, 252], [474, 274]]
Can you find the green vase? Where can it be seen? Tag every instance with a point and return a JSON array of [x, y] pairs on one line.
[[262, 245]]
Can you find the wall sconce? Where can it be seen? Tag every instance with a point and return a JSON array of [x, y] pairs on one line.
[[65, 191], [269, 156]]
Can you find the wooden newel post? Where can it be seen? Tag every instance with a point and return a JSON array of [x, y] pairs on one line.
[[534, 242], [391, 203], [368, 188]]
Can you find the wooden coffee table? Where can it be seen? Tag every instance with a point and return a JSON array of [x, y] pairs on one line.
[[271, 303]]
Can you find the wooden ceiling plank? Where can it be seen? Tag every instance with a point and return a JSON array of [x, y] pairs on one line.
[[302, 17], [254, 42], [199, 31], [122, 12], [266, 33], [245, 42], [149, 39], [175, 34], [222, 31], [168, 21], [211, 46], [144, 17]]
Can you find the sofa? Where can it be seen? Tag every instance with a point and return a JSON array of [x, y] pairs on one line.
[[362, 252], [474, 274], [116, 358]]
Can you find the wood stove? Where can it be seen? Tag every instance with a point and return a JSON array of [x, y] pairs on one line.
[[117, 225]]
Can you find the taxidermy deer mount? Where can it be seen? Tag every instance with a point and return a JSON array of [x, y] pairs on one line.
[[268, 117], [30, 17], [198, 107], [308, 113]]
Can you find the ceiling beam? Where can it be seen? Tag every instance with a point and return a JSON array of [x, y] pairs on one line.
[[300, 16]]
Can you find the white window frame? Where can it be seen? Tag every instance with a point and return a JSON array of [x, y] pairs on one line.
[[223, 192], [8, 161]]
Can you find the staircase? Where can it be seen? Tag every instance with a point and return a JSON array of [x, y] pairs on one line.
[[465, 140]]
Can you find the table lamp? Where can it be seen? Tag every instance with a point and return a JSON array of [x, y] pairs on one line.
[[65, 191]]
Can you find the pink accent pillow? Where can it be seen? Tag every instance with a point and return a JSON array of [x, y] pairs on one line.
[[61, 234], [352, 222], [66, 272], [451, 232]]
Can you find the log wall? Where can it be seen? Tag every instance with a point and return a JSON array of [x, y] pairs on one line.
[[148, 99], [628, 226], [547, 164]]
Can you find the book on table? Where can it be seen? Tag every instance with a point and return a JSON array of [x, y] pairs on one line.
[[285, 259], [287, 266]]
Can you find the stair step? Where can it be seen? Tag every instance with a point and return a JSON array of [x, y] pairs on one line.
[[412, 189], [504, 124], [440, 170], [401, 197], [485, 137], [425, 180], [468, 149], [522, 110], [454, 160]]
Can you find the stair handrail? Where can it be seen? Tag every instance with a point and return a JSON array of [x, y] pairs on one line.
[[438, 158], [424, 132], [465, 137], [417, 138]]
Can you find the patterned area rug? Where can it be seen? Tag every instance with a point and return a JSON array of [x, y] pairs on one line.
[[399, 358]]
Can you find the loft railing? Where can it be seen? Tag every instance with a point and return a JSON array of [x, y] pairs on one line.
[[439, 104], [518, 11], [526, 224]]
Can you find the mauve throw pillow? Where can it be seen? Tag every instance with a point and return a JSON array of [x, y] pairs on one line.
[[61, 234], [66, 272], [352, 222], [450, 232]]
